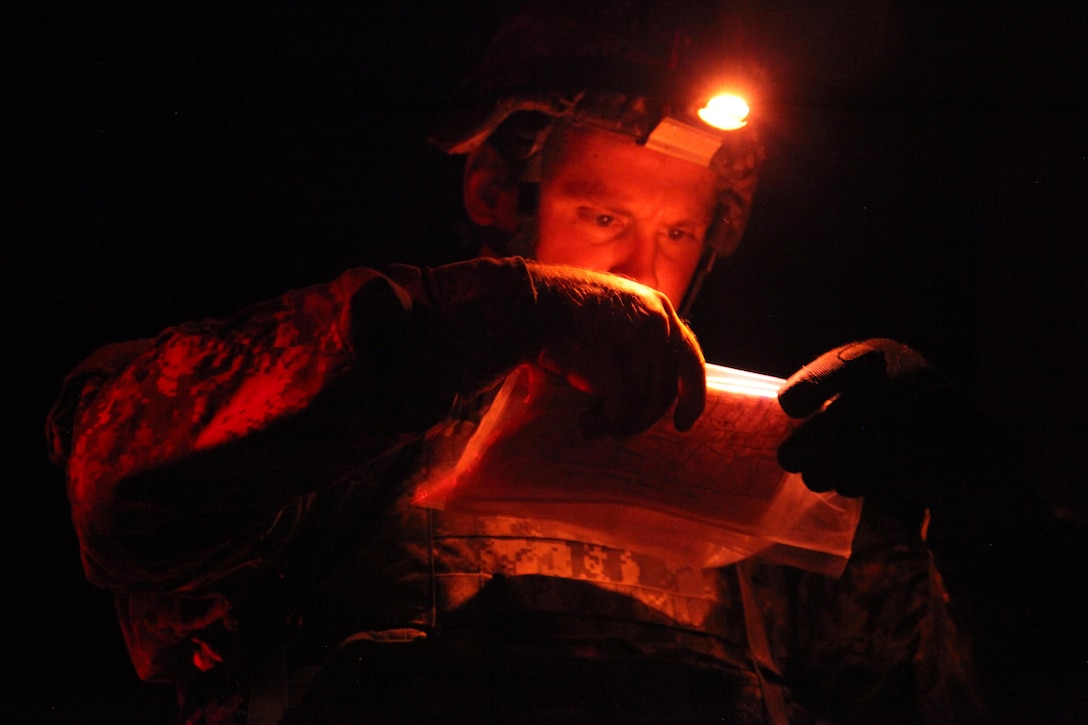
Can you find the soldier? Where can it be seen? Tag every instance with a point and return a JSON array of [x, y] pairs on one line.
[[244, 486]]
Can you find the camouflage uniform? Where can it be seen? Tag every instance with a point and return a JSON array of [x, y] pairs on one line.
[[243, 487]]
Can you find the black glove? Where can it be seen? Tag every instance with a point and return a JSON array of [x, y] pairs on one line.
[[883, 423], [470, 323], [897, 431]]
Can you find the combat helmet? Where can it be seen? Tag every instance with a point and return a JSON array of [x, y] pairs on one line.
[[667, 74]]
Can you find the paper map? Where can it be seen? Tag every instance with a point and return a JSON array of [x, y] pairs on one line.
[[718, 483]]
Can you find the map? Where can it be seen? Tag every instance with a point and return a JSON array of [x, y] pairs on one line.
[[716, 491]]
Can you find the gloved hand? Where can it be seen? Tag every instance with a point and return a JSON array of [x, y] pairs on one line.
[[883, 423], [886, 425], [621, 341], [616, 339]]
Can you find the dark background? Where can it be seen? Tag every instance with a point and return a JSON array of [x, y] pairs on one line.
[[926, 181]]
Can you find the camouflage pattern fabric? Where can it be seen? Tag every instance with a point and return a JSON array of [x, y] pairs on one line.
[[239, 489]]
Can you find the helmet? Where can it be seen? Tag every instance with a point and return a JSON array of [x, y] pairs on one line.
[[637, 67]]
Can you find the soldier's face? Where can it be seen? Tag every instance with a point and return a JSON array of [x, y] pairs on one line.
[[610, 205]]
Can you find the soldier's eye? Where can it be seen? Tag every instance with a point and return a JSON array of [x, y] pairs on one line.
[[677, 234]]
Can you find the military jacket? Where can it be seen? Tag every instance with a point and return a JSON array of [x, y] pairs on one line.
[[243, 487]]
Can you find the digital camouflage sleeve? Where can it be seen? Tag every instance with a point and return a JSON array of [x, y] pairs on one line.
[[187, 453]]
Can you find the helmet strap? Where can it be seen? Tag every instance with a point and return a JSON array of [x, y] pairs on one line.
[[706, 262]]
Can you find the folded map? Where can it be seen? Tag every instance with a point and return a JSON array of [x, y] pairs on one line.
[[710, 496]]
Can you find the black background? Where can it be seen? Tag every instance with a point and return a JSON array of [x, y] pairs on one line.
[[926, 181]]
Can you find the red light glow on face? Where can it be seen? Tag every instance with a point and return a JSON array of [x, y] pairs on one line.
[[608, 204], [725, 111]]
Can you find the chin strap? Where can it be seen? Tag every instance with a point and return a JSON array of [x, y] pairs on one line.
[[706, 262]]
